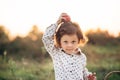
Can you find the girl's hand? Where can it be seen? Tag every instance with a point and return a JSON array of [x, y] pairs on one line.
[[63, 17], [92, 76]]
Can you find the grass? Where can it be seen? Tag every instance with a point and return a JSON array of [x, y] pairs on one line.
[[26, 70], [101, 59]]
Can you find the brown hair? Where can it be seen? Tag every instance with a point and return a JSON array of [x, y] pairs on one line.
[[69, 28]]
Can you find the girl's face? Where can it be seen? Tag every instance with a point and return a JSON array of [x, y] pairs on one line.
[[69, 43]]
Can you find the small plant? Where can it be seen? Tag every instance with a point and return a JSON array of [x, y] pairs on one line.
[[12, 66]]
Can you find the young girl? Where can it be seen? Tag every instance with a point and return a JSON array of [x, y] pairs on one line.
[[62, 41]]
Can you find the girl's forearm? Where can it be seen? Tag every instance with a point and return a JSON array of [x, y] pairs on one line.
[[50, 31], [48, 38]]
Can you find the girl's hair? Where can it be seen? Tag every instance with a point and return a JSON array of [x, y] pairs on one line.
[[68, 28]]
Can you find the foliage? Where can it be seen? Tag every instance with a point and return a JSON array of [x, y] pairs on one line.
[[31, 69], [100, 37], [26, 70], [31, 45], [4, 39], [25, 58], [102, 59]]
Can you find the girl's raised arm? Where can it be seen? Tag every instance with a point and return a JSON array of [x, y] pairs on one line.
[[48, 38]]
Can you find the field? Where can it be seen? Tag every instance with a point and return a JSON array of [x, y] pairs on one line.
[[101, 59]]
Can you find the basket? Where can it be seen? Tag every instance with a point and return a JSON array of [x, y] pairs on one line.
[[111, 73]]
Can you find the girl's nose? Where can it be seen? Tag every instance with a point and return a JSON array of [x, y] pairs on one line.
[[70, 44]]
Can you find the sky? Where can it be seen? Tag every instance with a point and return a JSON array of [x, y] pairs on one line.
[[18, 16]]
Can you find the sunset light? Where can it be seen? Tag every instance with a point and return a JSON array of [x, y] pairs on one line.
[[18, 16], [31, 51]]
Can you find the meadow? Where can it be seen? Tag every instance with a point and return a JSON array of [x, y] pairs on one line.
[[101, 59]]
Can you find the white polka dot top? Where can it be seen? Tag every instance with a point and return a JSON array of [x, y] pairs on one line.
[[66, 66]]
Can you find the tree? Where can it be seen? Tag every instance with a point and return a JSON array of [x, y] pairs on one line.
[[98, 37], [4, 39], [36, 35], [29, 46]]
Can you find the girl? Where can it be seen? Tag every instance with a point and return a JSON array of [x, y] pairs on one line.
[[62, 40]]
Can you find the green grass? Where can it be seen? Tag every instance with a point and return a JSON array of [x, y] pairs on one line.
[[26, 70], [101, 59]]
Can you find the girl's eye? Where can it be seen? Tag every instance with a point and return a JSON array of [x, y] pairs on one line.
[[73, 42], [65, 42]]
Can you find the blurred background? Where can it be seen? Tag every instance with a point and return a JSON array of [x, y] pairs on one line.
[[22, 25]]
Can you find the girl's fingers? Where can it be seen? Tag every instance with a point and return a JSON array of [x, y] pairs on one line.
[[92, 76]]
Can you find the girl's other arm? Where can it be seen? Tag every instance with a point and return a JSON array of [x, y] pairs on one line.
[[86, 74]]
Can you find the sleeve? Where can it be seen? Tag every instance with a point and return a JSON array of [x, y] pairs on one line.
[[48, 39], [86, 73]]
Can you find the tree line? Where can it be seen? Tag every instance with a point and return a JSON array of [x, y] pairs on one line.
[[31, 46]]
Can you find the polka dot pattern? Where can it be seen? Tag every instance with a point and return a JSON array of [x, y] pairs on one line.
[[66, 67]]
